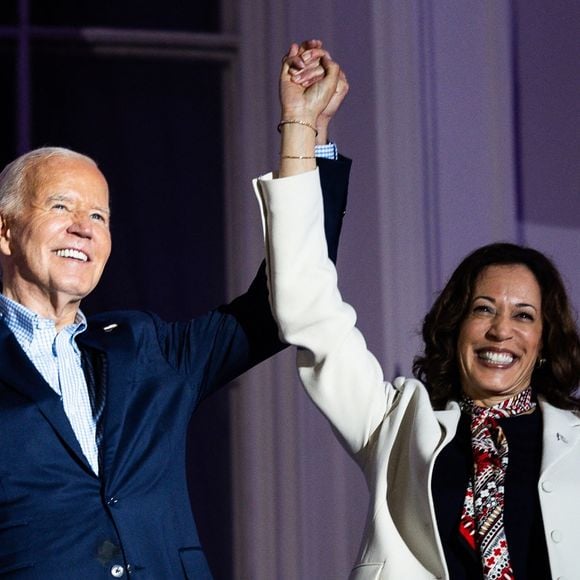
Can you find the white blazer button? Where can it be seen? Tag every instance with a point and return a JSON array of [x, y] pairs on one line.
[[547, 486], [556, 535], [117, 571]]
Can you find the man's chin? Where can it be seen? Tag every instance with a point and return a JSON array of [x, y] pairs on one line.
[[76, 294]]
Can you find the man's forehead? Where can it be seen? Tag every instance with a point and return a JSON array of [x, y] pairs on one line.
[[61, 176], [62, 164]]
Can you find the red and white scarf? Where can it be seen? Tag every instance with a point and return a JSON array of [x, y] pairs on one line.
[[481, 522]]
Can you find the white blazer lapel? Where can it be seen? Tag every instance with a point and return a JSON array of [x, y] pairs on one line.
[[561, 433], [448, 419]]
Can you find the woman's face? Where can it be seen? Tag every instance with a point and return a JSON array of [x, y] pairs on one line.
[[500, 339]]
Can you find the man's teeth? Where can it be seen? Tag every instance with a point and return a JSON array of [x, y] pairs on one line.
[[502, 358], [76, 254]]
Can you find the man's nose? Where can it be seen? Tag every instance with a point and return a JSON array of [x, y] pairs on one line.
[[81, 225]]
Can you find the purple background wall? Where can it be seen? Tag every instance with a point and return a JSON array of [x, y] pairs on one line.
[[464, 123], [549, 128]]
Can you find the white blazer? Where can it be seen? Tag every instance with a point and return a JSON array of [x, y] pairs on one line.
[[389, 428]]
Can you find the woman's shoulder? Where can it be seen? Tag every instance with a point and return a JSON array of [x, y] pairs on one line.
[[411, 391], [408, 390]]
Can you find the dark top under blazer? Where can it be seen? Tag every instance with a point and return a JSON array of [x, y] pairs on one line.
[[57, 519]]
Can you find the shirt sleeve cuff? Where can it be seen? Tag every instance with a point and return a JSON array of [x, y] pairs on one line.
[[328, 151]]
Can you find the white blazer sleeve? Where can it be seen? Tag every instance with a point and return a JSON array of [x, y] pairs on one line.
[[339, 373]]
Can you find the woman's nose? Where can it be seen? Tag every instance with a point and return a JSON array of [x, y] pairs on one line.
[[500, 328]]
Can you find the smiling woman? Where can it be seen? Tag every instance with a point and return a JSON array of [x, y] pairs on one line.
[[501, 337], [461, 464], [492, 285]]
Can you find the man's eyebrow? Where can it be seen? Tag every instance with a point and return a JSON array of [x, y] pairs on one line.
[[58, 197], [66, 197], [103, 209]]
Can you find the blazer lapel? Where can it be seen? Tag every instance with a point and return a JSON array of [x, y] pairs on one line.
[[410, 498], [19, 373], [106, 346], [448, 419], [561, 434]]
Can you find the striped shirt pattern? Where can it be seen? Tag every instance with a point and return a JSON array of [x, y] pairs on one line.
[[57, 358]]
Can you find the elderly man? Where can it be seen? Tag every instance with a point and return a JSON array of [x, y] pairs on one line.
[[93, 413]]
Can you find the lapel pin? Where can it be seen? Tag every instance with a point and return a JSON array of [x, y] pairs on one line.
[[110, 327]]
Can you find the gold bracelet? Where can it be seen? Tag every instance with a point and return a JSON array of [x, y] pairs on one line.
[[297, 157], [297, 122]]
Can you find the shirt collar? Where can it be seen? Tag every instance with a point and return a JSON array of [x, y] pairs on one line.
[[24, 322]]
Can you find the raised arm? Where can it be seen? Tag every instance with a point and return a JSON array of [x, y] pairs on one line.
[[339, 373], [301, 106], [243, 333], [306, 69]]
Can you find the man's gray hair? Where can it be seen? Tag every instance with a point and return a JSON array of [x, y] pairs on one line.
[[16, 177]]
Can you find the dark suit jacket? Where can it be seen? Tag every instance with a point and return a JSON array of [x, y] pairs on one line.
[[57, 518]]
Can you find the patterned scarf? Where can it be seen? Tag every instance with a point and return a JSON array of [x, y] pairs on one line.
[[481, 524]]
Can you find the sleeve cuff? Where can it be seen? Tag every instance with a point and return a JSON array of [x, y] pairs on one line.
[[328, 151]]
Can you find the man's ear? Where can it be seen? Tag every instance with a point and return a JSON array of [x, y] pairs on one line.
[[5, 236]]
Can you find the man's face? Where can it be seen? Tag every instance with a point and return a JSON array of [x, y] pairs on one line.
[[57, 246]]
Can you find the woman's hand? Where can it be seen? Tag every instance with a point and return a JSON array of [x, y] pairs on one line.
[[305, 69], [308, 81], [304, 95]]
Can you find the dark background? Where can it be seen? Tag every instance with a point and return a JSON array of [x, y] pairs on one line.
[[153, 121]]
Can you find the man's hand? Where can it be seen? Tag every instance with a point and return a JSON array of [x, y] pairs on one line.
[[333, 105]]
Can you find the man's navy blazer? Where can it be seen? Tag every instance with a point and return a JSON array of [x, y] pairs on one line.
[[57, 518]]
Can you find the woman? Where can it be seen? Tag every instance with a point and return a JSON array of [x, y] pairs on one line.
[[474, 466]]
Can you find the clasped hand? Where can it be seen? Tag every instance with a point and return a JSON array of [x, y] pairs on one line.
[[312, 85]]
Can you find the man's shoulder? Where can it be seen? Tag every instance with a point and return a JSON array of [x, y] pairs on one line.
[[118, 314], [121, 331], [121, 321]]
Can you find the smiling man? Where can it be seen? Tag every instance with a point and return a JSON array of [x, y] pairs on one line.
[[94, 412], [54, 237]]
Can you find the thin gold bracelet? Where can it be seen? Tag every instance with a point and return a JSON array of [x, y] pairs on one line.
[[297, 157], [297, 122]]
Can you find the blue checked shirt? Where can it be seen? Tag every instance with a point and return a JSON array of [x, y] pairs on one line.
[[328, 151], [57, 358]]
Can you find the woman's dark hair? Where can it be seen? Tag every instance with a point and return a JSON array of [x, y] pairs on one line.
[[556, 380]]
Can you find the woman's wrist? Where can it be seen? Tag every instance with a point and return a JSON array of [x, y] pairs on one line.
[[297, 122], [297, 148], [300, 113]]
